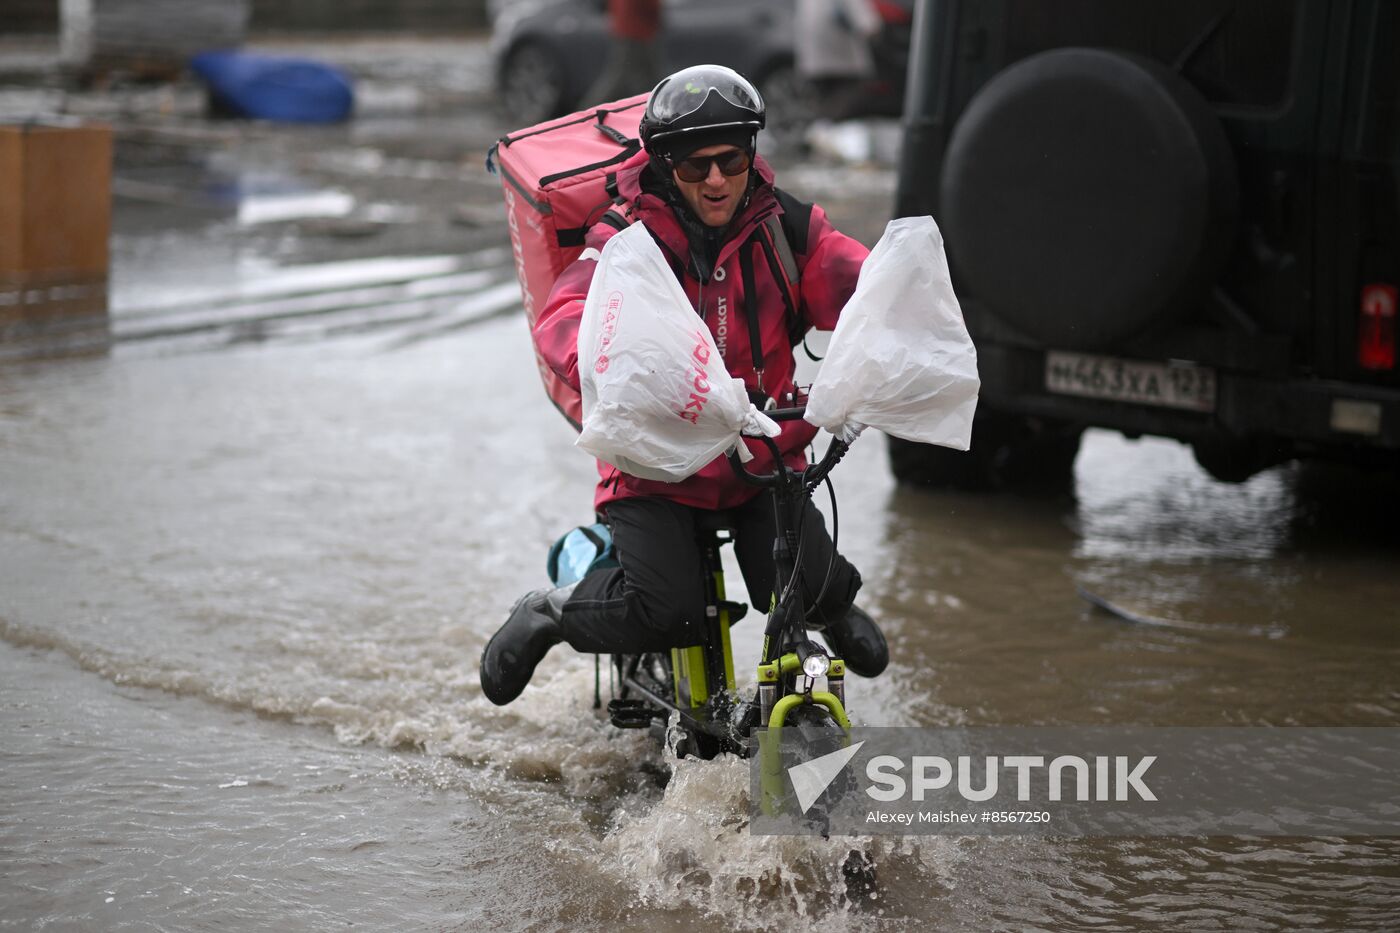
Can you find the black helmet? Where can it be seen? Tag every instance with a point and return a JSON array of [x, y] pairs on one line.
[[701, 106]]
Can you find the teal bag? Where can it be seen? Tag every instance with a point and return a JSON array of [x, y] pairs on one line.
[[579, 551]]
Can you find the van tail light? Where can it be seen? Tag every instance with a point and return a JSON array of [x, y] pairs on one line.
[[1375, 345], [892, 12]]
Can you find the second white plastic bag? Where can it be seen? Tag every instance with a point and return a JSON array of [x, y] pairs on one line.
[[657, 400], [900, 358]]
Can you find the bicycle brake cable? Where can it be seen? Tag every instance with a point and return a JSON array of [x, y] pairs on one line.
[[796, 574], [809, 610], [831, 558]]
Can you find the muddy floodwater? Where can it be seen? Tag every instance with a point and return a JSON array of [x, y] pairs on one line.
[[249, 559], [243, 591]]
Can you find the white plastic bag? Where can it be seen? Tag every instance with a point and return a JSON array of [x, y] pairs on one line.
[[657, 400], [900, 358]]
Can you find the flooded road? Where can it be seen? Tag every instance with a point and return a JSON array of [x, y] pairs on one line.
[[244, 590], [249, 559]]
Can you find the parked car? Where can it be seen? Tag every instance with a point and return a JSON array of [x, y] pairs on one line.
[[547, 53], [1176, 218]]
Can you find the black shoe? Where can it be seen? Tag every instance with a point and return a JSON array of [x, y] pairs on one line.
[[858, 641], [510, 657]]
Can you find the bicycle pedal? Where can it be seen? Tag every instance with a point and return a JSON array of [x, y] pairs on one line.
[[736, 610], [632, 714]]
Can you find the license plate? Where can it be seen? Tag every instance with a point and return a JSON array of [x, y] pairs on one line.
[[1169, 385]]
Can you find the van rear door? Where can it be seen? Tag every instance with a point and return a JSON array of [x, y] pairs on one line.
[[1358, 234]]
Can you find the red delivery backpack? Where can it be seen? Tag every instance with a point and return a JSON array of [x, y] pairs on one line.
[[559, 180]]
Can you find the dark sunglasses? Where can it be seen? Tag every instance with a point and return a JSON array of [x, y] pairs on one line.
[[697, 168]]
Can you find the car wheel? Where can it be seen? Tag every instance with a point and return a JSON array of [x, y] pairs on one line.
[[1087, 196], [791, 104], [531, 85], [1012, 453]]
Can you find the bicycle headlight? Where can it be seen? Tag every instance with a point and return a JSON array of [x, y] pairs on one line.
[[816, 665]]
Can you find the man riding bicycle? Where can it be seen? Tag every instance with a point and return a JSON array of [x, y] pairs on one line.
[[710, 203]]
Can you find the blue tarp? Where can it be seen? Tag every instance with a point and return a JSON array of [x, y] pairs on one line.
[[269, 87]]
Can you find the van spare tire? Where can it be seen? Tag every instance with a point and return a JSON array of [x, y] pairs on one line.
[[1087, 195]]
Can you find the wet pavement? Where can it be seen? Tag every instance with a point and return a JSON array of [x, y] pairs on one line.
[[251, 555]]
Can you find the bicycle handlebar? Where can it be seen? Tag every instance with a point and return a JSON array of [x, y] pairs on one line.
[[767, 480], [787, 414], [809, 478]]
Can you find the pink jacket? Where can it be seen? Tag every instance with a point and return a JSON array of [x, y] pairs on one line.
[[828, 272]]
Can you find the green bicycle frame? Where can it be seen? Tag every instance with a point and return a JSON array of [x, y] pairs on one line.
[[702, 688], [691, 666]]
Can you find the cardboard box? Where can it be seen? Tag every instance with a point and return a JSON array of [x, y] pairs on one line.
[[55, 203]]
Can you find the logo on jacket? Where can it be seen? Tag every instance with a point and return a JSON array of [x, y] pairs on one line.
[[721, 325]]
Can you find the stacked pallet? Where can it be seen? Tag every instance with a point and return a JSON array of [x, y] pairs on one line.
[[147, 35]]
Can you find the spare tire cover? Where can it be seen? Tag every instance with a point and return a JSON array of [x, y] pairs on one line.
[[1087, 195]]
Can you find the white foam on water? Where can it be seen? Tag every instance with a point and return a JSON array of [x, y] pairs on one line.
[[552, 735], [678, 844], [693, 851]]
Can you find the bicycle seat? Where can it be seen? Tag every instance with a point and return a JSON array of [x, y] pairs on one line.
[[708, 521]]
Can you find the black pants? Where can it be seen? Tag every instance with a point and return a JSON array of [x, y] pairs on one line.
[[656, 599]]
